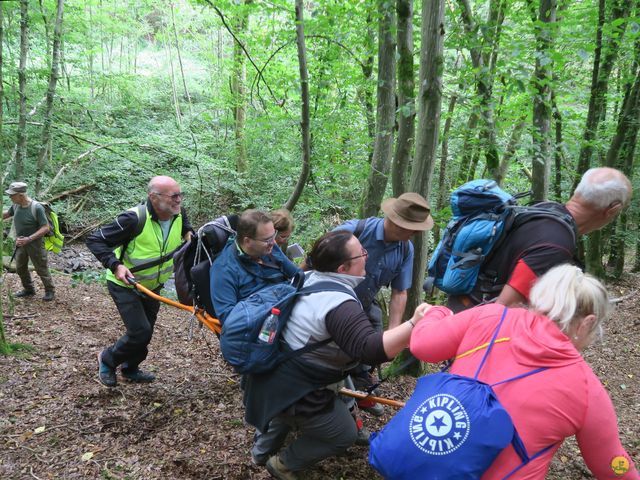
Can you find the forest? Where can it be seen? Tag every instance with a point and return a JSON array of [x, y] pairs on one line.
[[324, 107]]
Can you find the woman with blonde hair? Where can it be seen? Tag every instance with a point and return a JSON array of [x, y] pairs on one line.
[[567, 308]]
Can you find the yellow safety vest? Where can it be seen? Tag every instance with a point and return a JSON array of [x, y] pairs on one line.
[[147, 247]]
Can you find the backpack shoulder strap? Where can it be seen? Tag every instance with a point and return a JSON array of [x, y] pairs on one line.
[[322, 286], [34, 208], [141, 212], [552, 211], [493, 341], [359, 227], [327, 286]]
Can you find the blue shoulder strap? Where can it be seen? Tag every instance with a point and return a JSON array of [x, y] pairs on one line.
[[517, 443], [491, 343], [326, 286], [321, 286]]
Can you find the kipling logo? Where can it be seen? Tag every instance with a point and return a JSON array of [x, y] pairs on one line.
[[439, 425]]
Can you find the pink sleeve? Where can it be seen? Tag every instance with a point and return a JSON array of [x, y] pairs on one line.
[[598, 438], [438, 335]]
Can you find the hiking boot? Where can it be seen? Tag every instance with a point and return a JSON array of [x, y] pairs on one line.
[[138, 376], [279, 470], [369, 406], [362, 439], [25, 293], [106, 374], [258, 461], [48, 296]]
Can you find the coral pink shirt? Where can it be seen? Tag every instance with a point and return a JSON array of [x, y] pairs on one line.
[[567, 399]]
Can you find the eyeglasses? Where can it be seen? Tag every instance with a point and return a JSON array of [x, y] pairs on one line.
[[173, 197], [270, 240], [363, 254]]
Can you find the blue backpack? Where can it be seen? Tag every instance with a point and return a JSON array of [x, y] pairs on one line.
[[239, 338], [483, 215], [451, 427]]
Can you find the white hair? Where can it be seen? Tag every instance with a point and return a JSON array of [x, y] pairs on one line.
[[602, 187], [566, 295]]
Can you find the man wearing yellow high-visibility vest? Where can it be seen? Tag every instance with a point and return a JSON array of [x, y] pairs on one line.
[[139, 244]]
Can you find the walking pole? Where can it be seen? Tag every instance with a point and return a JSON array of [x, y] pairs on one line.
[[363, 395], [214, 325], [207, 320], [15, 249]]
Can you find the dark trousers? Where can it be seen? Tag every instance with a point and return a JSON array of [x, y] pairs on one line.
[[318, 436], [139, 317]]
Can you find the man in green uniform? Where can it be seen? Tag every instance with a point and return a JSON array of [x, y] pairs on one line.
[[30, 224]]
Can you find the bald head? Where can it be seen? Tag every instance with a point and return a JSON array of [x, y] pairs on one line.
[[159, 182], [599, 198], [165, 196], [602, 187]]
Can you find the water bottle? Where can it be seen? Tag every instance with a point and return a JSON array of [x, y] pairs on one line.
[[269, 327]]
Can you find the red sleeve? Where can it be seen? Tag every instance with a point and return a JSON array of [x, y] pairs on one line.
[[522, 279], [438, 335], [598, 438]]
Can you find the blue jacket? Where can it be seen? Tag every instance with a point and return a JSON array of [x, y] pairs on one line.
[[234, 276]]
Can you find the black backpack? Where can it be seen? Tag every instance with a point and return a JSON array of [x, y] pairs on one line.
[[191, 264]]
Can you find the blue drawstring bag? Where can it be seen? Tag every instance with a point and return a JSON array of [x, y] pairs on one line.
[[452, 427]]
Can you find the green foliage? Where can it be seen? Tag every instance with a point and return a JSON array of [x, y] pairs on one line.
[[121, 87], [87, 277], [21, 350]]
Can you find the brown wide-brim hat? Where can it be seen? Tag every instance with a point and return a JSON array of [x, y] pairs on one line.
[[409, 210]]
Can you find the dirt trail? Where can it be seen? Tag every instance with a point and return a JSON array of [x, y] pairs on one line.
[[57, 420]]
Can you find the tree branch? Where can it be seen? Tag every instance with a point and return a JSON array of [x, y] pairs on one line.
[[226, 25]]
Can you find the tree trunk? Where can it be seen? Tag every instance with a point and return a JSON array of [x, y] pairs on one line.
[[511, 150], [304, 117], [238, 91], [484, 85], [51, 91], [429, 106], [636, 264], [21, 153], [627, 126], [471, 174], [621, 155], [184, 80], [47, 34], [443, 190], [600, 81], [174, 92], [385, 113], [365, 93], [559, 151], [406, 100], [541, 161], [469, 146], [4, 347], [91, 57]]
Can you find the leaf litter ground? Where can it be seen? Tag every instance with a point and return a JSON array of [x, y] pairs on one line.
[[57, 420]]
